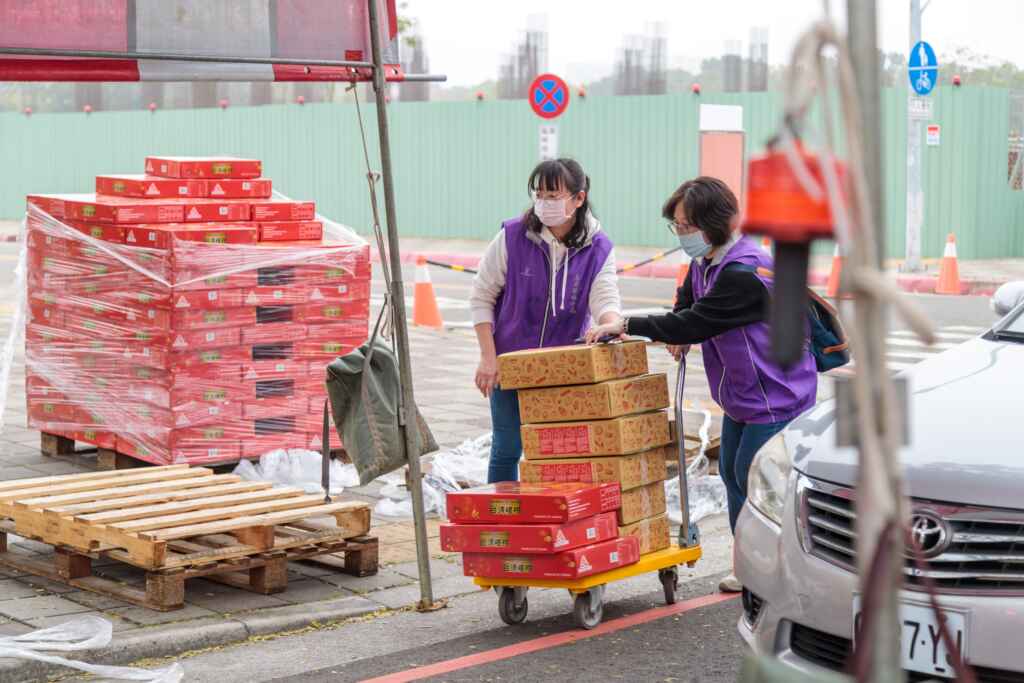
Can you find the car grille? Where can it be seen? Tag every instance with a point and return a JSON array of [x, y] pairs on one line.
[[832, 652], [986, 553]]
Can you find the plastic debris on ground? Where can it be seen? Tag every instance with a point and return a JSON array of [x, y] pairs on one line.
[[464, 466], [299, 468], [706, 491], [77, 634]]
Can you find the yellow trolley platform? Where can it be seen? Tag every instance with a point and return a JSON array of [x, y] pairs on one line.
[[588, 592]]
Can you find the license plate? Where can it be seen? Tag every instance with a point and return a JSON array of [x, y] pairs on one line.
[[921, 646]]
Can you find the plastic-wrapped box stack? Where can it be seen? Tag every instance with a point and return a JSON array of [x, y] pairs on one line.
[[594, 414], [537, 531], [185, 315]]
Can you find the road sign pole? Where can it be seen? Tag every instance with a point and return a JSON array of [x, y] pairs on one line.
[[915, 190]]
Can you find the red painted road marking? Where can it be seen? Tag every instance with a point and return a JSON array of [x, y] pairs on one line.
[[546, 642]]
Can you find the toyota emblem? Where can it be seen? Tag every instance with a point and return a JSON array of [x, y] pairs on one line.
[[930, 533]]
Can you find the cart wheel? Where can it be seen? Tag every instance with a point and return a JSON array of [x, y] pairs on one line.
[[510, 612], [588, 610], [669, 581]]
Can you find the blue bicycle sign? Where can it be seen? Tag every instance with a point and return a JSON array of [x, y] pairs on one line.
[[923, 68]]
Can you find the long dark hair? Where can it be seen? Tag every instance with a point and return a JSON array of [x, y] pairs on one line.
[[555, 173]]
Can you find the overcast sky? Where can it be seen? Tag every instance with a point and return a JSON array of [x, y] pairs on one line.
[[467, 39]]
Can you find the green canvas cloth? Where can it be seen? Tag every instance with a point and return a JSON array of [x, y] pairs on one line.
[[364, 393]]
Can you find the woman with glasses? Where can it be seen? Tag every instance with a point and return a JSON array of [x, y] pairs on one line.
[[542, 280], [722, 306]]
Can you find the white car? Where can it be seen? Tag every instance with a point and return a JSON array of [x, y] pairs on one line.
[[964, 471]]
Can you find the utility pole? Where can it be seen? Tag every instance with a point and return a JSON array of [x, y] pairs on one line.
[[915, 191], [878, 493]]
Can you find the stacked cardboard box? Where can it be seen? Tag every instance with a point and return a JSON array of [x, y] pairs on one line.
[[594, 414], [184, 315], [539, 531]]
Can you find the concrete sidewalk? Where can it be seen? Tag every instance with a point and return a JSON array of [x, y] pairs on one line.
[[978, 277]]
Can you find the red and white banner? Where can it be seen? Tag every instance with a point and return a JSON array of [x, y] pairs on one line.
[[335, 30]]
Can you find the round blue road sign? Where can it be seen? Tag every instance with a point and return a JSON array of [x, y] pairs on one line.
[[923, 68], [549, 96]]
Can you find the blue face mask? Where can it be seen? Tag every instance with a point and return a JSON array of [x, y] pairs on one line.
[[694, 245]]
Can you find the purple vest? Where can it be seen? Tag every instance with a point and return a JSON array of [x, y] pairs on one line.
[[744, 379], [522, 315]]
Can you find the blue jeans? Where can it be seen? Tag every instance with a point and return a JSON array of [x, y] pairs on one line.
[[740, 443], [506, 441]]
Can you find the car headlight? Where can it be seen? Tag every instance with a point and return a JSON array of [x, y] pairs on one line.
[[769, 475]]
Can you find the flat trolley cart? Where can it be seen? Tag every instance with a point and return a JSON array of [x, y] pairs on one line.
[[588, 591]]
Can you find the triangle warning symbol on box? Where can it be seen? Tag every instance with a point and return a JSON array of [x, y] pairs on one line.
[[149, 165], [180, 342], [130, 237], [183, 303], [194, 213], [252, 299], [217, 190], [152, 189], [316, 294]]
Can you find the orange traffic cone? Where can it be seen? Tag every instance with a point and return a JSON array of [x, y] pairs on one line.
[[832, 287], [424, 308], [949, 270]]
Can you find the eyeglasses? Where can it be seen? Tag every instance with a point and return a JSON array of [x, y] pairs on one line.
[[676, 228]]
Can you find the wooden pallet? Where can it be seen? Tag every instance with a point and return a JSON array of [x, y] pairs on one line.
[[179, 522]]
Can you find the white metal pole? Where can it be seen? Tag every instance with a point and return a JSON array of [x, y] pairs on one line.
[[915, 191]]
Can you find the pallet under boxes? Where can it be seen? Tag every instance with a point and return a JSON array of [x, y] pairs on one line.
[[176, 523]]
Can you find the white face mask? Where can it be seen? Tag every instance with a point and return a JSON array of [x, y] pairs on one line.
[[551, 212]]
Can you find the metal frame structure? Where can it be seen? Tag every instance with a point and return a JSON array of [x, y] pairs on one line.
[[375, 69]]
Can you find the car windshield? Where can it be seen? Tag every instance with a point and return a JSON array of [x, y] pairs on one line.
[[1013, 328]]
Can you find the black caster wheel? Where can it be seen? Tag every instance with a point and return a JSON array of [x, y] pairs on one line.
[[669, 581], [511, 611], [588, 609]]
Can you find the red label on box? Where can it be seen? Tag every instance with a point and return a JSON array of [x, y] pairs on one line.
[[199, 319], [564, 440], [232, 188], [515, 502], [271, 333], [571, 564], [528, 538], [150, 187], [203, 167], [204, 339], [283, 210], [201, 210], [289, 231]]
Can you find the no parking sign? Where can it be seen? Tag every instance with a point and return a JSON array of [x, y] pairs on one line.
[[549, 98]]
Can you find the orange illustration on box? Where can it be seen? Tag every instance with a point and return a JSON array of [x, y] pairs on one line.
[[604, 400], [619, 436], [630, 471], [653, 533], [642, 502], [566, 365]]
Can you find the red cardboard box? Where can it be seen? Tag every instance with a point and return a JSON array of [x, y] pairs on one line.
[[354, 290], [201, 210], [273, 332], [186, 397], [205, 339], [206, 300], [274, 296], [283, 210], [254, 447], [153, 448], [339, 330], [256, 370], [203, 167], [91, 208], [53, 410], [151, 187], [198, 319], [317, 351], [327, 313], [528, 538], [517, 503], [227, 450], [297, 404], [315, 440], [100, 231], [196, 414], [150, 355], [290, 231], [95, 437], [187, 279], [571, 564], [212, 357], [109, 330], [51, 204], [162, 236], [234, 188]]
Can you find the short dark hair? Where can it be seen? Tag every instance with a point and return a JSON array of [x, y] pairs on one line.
[[708, 204], [549, 175]]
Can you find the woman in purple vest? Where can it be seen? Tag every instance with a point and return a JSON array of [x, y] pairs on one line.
[[722, 306], [541, 281]]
